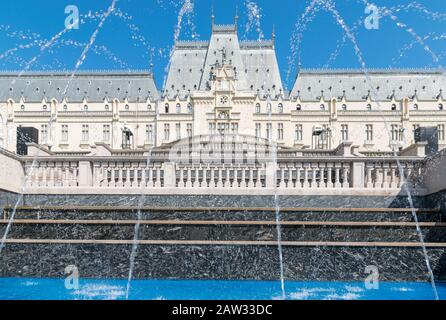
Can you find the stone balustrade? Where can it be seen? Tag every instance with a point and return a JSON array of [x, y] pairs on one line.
[[341, 171], [325, 173]]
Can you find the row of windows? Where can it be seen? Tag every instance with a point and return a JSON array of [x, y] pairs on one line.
[[106, 132], [189, 131], [396, 132], [280, 108], [178, 108], [85, 107]]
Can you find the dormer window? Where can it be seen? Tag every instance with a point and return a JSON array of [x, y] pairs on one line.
[[166, 108], [257, 107], [298, 107], [440, 106], [178, 108]]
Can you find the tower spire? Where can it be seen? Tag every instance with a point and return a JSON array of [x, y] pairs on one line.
[[236, 17], [273, 35], [212, 18]]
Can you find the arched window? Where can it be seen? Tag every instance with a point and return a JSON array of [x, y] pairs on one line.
[[127, 107], [268, 108], [440, 106], [369, 107], [178, 108], [189, 108], [322, 107], [166, 108], [257, 107], [280, 108], [415, 106], [393, 107], [45, 107], [298, 107], [344, 107], [85, 107], [149, 107]]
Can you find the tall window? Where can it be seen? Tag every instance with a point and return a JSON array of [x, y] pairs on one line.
[[85, 132], [344, 132], [441, 132], [268, 131], [178, 130], [64, 136], [369, 132], [166, 132], [189, 108], [268, 108], [280, 131], [258, 108], [178, 108], [395, 132], [189, 130], [414, 129], [280, 108], [149, 132], [298, 132], [106, 133], [212, 128], [223, 128], [43, 133], [166, 108], [258, 130], [234, 128]]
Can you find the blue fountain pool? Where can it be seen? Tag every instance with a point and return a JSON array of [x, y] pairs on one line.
[[54, 289]]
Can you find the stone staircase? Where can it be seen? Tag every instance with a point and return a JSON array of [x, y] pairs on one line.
[[323, 244]]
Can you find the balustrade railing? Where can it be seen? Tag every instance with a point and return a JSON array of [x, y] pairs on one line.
[[298, 173]]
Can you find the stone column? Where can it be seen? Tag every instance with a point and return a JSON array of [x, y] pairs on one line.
[[85, 174], [358, 175], [169, 175], [271, 175]]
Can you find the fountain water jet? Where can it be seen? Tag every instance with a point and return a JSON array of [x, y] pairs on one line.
[[328, 4]]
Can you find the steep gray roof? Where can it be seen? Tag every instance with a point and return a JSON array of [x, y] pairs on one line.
[[193, 63], [93, 85], [426, 84]]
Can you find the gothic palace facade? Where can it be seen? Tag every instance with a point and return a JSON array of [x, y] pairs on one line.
[[223, 85]]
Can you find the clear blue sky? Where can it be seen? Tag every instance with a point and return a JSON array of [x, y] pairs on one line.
[[140, 29]]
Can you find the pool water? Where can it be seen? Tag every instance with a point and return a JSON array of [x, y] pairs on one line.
[[103, 289]]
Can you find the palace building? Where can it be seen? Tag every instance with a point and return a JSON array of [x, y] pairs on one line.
[[222, 86]]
